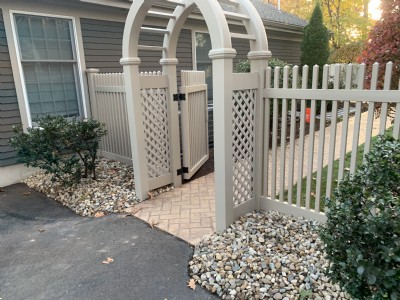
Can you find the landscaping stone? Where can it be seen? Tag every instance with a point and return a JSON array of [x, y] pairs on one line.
[[265, 256], [112, 192]]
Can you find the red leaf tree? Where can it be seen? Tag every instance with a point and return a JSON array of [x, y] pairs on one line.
[[384, 43]]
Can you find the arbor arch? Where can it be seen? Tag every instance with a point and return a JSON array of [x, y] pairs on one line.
[[235, 128]]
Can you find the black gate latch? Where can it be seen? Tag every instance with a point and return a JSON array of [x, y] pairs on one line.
[[182, 171], [179, 97]]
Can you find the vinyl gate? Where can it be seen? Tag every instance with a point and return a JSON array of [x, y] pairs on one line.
[[194, 122], [108, 101]]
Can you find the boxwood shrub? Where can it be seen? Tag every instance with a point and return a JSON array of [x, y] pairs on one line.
[[362, 232], [67, 149]]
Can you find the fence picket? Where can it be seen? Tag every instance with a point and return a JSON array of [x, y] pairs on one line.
[[283, 136], [333, 127], [267, 112], [295, 76], [371, 109], [321, 139], [311, 136], [301, 137], [384, 107], [275, 135], [396, 125], [357, 120], [345, 123]]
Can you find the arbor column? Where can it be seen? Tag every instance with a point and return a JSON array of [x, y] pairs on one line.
[[135, 121], [222, 62], [259, 64]]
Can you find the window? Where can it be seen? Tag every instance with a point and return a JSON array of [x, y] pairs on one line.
[[203, 62], [48, 59]]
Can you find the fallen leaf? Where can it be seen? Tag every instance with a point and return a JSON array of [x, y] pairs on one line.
[[26, 193], [149, 195], [41, 230], [108, 261], [313, 194], [131, 211], [192, 284], [153, 223], [99, 214]]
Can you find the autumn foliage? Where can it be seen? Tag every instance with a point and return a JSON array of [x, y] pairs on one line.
[[347, 54], [384, 42]]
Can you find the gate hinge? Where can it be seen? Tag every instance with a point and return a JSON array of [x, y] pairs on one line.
[[179, 97], [182, 171]]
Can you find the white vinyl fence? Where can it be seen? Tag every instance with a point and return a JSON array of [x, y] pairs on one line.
[[303, 165], [108, 105]]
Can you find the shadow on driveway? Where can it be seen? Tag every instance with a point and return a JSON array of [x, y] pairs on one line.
[[48, 252]]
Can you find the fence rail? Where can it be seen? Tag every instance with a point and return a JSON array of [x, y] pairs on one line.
[[317, 149]]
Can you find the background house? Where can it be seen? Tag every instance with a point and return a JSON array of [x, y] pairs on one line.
[[46, 46]]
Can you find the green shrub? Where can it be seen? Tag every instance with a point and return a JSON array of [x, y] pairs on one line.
[[61, 147], [315, 43], [362, 232], [243, 66]]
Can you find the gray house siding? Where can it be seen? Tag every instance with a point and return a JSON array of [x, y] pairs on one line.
[[286, 50], [9, 110], [102, 43]]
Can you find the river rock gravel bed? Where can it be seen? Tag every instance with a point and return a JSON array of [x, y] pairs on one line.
[[265, 256], [112, 192]]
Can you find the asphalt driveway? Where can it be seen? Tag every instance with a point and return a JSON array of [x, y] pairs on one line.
[[48, 252]]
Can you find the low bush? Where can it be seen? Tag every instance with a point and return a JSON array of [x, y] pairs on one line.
[[362, 232], [243, 66], [67, 149]]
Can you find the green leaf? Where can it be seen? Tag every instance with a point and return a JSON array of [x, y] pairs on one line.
[[371, 279], [360, 270]]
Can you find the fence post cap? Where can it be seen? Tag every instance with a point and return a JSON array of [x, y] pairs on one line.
[[222, 53], [129, 61], [259, 55], [92, 70], [168, 61]]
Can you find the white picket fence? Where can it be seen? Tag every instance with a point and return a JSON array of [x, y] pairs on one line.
[[302, 157]]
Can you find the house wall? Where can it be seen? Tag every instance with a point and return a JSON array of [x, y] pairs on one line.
[[9, 110], [288, 51], [102, 44], [99, 39]]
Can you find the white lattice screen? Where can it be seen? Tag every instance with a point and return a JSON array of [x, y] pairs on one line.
[[156, 130], [243, 145]]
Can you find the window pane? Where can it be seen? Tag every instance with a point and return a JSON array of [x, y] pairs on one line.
[[44, 38], [204, 63], [51, 89]]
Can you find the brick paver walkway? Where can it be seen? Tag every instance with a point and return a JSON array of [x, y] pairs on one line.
[[187, 212]]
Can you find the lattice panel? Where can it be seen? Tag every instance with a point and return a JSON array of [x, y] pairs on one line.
[[243, 145], [156, 130]]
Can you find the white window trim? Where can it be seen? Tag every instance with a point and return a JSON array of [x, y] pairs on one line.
[[82, 96]]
